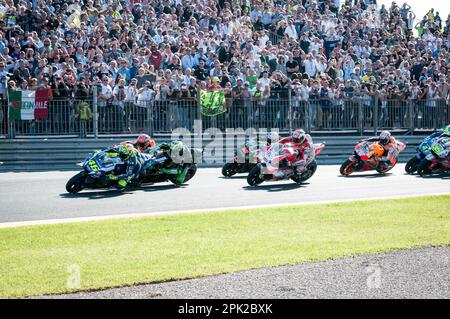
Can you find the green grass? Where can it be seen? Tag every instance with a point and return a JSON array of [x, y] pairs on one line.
[[34, 260]]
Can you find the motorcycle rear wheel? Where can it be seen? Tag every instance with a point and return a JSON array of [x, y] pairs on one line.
[[347, 168], [190, 173], [411, 165], [422, 168], [229, 169], [75, 184], [254, 178], [306, 174]]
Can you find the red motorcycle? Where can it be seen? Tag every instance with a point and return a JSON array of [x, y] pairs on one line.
[[363, 158], [275, 164]]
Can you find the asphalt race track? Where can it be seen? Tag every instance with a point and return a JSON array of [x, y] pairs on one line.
[[42, 196]]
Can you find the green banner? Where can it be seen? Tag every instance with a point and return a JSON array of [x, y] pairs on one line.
[[14, 104], [212, 103]]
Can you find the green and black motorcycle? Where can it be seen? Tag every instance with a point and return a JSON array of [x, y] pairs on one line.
[[173, 162]]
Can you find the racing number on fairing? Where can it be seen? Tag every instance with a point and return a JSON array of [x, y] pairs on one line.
[[93, 165], [437, 148]]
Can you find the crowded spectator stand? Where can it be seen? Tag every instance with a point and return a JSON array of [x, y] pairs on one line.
[[126, 66]]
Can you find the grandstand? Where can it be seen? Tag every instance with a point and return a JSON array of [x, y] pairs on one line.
[[110, 66]]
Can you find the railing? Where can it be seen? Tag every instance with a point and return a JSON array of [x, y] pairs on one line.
[[4, 118], [87, 119], [65, 117]]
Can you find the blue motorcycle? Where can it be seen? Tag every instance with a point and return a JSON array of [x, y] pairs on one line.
[[96, 169], [157, 167], [423, 150]]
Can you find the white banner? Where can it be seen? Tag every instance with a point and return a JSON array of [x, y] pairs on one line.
[[28, 105]]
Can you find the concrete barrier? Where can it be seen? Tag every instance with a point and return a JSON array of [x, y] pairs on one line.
[[63, 154]]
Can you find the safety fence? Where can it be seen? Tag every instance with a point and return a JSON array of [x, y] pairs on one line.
[[85, 118]]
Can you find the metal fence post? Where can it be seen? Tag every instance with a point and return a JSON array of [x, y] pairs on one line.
[[411, 116], [9, 123], [95, 110], [290, 110], [375, 115], [150, 117], [199, 107], [360, 117], [308, 122]]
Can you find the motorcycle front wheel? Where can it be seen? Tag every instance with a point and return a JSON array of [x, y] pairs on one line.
[[422, 167], [229, 169], [411, 166], [75, 184], [190, 173], [254, 177], [347, 168]]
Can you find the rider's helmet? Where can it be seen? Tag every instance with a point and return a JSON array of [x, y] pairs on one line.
[[272, 137], [447, 130], [125, 151], [144, 141], [298, 136], [385, 137]]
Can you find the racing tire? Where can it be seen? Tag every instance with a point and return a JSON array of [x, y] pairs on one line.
[[76, 183], [254, 178], [411, 165], [311, 169], [422, 168], [190, 173], [347, 168], [229, 169], [173, 180]]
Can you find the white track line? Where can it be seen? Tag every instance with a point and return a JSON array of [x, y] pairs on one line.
[[203, 210]]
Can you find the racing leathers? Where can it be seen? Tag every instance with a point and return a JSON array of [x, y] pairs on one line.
[[134, 165], [305, 152], [391, 152], [170, 157]]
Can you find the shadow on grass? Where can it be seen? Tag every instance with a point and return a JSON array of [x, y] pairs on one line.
[[275, 187]]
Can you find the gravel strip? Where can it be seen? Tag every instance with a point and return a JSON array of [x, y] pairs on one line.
[[418, 273]]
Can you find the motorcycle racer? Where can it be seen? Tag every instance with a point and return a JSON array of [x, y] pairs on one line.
[[168, 154], [391, 147], [143, 143], [133, 161], [303, 144], [441, 133]]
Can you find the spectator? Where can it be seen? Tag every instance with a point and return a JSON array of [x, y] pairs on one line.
[[200, 40]]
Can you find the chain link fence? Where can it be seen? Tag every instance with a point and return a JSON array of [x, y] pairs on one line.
[[84, 118]]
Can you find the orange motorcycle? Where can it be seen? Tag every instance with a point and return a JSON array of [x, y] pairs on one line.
[[365, 158]]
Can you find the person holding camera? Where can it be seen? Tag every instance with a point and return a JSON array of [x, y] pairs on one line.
[[144, 103], [118, 103], [131, 92], [104, 104]]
